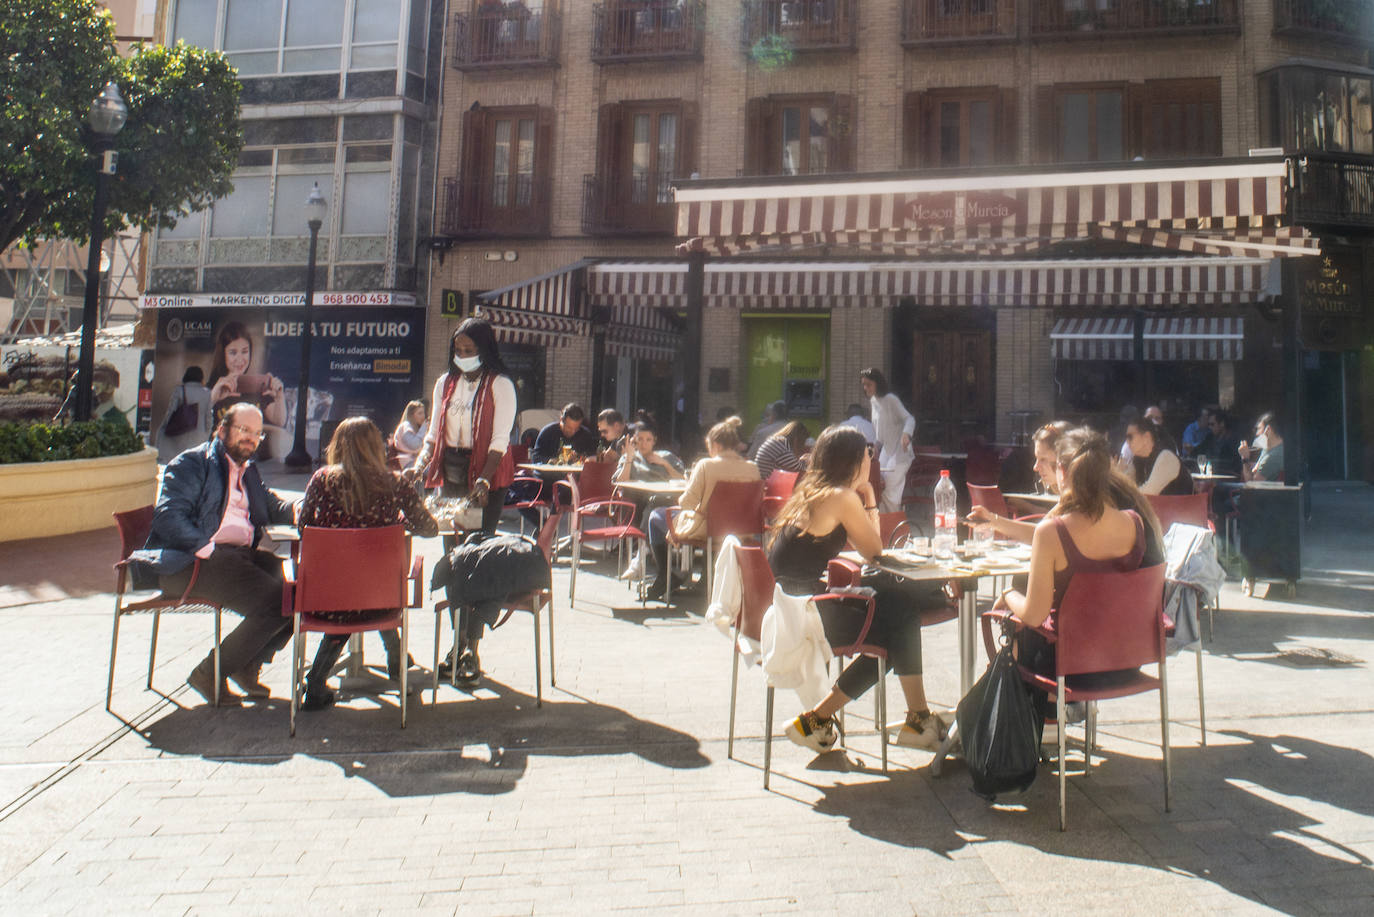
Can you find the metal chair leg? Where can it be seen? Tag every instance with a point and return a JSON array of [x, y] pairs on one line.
[[219, 675], [405, 659], [295, 670], [1164, 736], [1090, 739], [767, 736], [882, 709], [1201, 695], [1059, 712], [114, 644], [549, 605], [572, 572], [434, 690], [152, 647], [734, 687], [538, 673]]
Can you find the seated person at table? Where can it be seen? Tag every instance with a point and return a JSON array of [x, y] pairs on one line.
[[1268, 466], [214, 506], [1194, 433], [723, 463], [1221, 446], [858, 419], [834, 503], [1155, 467], [783, 450], [1084, 533], [774, 419], [357, 491], [643, 462], [568, 431], [610, 423]]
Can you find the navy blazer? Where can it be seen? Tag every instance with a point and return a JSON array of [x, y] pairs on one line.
[[190, 508]]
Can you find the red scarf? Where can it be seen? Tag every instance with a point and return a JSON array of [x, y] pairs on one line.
[[481, 437]]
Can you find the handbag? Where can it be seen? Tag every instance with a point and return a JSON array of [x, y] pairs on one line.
[[184, 419], [1000, 729]]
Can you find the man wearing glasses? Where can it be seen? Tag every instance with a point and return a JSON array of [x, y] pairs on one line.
[[213, 507]]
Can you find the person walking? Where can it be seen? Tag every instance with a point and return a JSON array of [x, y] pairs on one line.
[[893, 427]]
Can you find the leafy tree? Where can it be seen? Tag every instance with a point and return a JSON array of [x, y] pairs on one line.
[[176, 152]]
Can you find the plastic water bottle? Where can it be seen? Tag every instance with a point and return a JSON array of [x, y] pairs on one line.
[[946, 517]]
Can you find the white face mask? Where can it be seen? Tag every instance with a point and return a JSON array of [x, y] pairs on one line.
[[467, 364]]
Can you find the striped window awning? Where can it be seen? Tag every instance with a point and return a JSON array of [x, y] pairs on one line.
[[1194, 338], [1118, 282], [1093, 339], [542, 311], [1220, 207], [642, 332]]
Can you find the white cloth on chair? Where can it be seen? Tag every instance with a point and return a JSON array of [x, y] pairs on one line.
[[727, 597], [796, 654], [1192, 580]]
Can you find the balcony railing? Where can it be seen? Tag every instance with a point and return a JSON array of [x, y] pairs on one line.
[[801, 25], [501, 206], [508, 36], [1070, 18], [1333, 190], [642, 203], [1345, 21], [630, 30], [929, 22]]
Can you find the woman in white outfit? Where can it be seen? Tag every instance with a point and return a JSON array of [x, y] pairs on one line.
[[893, 426]]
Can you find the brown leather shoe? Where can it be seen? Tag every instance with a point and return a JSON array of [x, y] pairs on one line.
[[202, 681], [250, 684]]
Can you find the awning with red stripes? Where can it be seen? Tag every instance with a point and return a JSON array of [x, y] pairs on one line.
[[642, 332], [542, 310], [1125, 283], [1194, 338], [1221, 207], [1093, 339]]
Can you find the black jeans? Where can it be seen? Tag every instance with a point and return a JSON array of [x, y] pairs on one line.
[[249, 582], [896, 628], [331, 646]]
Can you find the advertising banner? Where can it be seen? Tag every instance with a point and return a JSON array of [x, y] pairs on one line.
[[365, 361]]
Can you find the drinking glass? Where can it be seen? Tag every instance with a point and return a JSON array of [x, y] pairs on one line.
[[982, 537]]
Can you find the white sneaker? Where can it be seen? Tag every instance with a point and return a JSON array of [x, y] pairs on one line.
[[634, 570], [817, 735], [926, 733]]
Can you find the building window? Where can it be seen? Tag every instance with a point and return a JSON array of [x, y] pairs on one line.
[[800, 135], [1310, 110], [1090, 124], [505, 173], [946, 128], [1182, 118], [641, 148], [512, 161]]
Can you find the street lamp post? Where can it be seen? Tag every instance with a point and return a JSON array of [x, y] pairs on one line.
[[107, 117], [299, 457]]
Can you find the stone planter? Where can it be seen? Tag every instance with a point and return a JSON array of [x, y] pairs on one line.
[[40, 499]]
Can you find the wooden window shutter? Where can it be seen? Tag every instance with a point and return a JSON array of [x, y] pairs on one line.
[[758, 137], [844, 134], [610, 135], [689, 152], [473, 167], [1133, 120], [1008, 141], [1046, 125], [543, 167], [913, 130]]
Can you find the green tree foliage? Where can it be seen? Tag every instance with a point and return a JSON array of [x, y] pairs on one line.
[[176, 152]]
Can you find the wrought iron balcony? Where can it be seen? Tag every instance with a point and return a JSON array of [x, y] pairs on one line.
[[642, 203], [1333, 189], [782, 26], [635, 30], [1088, 18], [1344, 21], [938, 22], [508, 35], [501, 206]]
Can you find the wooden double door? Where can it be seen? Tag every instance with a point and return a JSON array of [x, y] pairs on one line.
[[951, 385]]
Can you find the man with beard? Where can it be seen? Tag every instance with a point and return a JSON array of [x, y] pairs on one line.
[[212, 509]]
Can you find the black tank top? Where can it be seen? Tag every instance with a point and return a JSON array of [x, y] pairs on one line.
[[799, 559]]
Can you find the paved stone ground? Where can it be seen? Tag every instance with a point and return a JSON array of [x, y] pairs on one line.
[[617, 794]]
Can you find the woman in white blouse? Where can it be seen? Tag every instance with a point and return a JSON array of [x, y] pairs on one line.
[[893, 427]]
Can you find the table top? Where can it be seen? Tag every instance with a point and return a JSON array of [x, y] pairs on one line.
[[1199, 476], [550, 468], [287, 533], [913, 568], [1038, 498], [675, 486]]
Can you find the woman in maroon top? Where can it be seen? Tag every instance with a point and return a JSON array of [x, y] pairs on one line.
[[357, 491]]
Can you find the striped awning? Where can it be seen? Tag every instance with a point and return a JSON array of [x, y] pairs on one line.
[[642, 332], [543, 310], [1093, 339], [1230, 207], [1118, 282], [1194, 338]]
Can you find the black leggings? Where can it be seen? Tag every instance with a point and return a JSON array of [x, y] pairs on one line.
[[896, 628]]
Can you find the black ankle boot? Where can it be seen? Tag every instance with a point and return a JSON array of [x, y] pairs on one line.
[[659, 587]]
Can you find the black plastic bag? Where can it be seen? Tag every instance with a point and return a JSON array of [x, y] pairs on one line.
[[1000, 730]]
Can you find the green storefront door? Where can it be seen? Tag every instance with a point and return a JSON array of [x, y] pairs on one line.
[[786, 360]]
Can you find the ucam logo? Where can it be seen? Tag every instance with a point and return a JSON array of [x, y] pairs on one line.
[[951, 209]]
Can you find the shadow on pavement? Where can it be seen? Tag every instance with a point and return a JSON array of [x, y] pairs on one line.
[[1238, 815], [469, 743], [32, 575]]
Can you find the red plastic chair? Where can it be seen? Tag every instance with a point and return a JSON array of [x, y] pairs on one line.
[[1190, 509], [893, 527], [533, 602], [618, 526], [777, 489], [984, 463], [989, 496], [756, 582], [734, 508], [922, 477], [1107, 622], [134, 526], [350, 570]]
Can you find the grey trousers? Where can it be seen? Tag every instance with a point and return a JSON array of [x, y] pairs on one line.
[[249, 582]]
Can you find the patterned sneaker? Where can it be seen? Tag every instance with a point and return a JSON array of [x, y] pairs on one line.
[[921, 730], [809, 731]]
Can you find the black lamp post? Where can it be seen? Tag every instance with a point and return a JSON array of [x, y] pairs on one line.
[[107, 117], [299, 458]]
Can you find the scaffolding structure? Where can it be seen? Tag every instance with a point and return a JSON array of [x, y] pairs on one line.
[[48, 279]]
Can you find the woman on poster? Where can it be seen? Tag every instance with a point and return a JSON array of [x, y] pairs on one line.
[[231, 382]]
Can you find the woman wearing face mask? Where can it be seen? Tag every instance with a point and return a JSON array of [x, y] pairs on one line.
[[466, 449]]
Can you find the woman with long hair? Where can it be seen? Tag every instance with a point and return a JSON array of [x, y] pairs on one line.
[[466, 452], [409, 434], [833, 503], [355, 491], [1155, 465], [233, 358], [893, 428], [1086, 532]]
